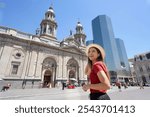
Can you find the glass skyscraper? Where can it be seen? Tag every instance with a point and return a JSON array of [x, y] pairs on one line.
[[104, 36], [123, 56], [89, 42], [116, 57]]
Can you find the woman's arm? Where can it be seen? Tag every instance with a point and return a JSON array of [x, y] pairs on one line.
[[87, 70], [104, 85]]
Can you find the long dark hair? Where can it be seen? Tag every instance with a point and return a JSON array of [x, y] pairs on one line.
[[99, 58]]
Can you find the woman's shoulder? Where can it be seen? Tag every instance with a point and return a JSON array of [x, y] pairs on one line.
[[99, 63]]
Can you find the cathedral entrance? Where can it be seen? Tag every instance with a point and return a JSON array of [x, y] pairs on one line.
[[144, 80], [49, 67], [47, 79], [73, 71], [72, 77]]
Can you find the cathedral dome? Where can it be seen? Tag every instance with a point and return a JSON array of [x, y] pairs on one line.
[[79, 24], [51, 10]]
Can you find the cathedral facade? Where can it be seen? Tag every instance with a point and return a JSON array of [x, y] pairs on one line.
[[41, 58]]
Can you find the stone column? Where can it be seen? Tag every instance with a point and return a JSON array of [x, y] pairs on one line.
[[1, 49], [4, 60], [36, 62]]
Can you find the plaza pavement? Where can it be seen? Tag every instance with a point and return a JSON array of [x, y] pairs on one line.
[[131, 93]]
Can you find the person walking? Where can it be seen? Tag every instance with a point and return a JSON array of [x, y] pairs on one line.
[[141, 85], [96, 70], [118, 84], [32, 83], [125, 85], [23, 84], [5, 87], [63, 85]]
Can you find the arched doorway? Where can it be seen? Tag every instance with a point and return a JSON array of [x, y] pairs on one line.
[[47, 79], [72, 77], [144, 80], [49, 72], [71, 74], [73, 71]]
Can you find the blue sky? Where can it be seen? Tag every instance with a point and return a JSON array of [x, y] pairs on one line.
[[130, 18]]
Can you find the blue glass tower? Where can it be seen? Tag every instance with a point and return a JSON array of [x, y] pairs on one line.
[[89, 42], [123, 56], [104, 36], [116, 57]]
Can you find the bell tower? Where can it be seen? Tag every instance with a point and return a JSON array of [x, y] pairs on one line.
[[79, 35], [49, 25]]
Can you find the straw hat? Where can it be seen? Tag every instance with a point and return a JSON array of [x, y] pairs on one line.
[[98, 47]]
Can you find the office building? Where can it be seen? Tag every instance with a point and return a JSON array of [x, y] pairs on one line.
[[116, 58]]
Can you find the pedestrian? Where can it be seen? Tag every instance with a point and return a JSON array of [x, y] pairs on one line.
[[23, 84], [125, 85], [5, 87], [63, 85], [32, 83], [118, 84], [141, 85], [97, 72]]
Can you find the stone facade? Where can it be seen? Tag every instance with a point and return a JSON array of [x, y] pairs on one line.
[[142, 67], [27, 59]]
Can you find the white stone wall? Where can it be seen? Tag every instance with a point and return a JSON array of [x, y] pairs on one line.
[[31, 60]]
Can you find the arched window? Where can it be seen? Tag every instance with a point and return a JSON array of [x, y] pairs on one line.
[[141, 58], [141, 69], [148, 68]]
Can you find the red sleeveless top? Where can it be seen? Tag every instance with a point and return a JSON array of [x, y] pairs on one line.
[[98, 66]]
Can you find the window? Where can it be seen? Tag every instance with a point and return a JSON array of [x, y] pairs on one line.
[[148, 56], [134, 59], [141, 58], [141, 69], [18, 55], [44, 30], [14, 69], [148, 69]]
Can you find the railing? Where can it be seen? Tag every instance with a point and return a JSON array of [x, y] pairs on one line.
[[13, 32], [24, 35]]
